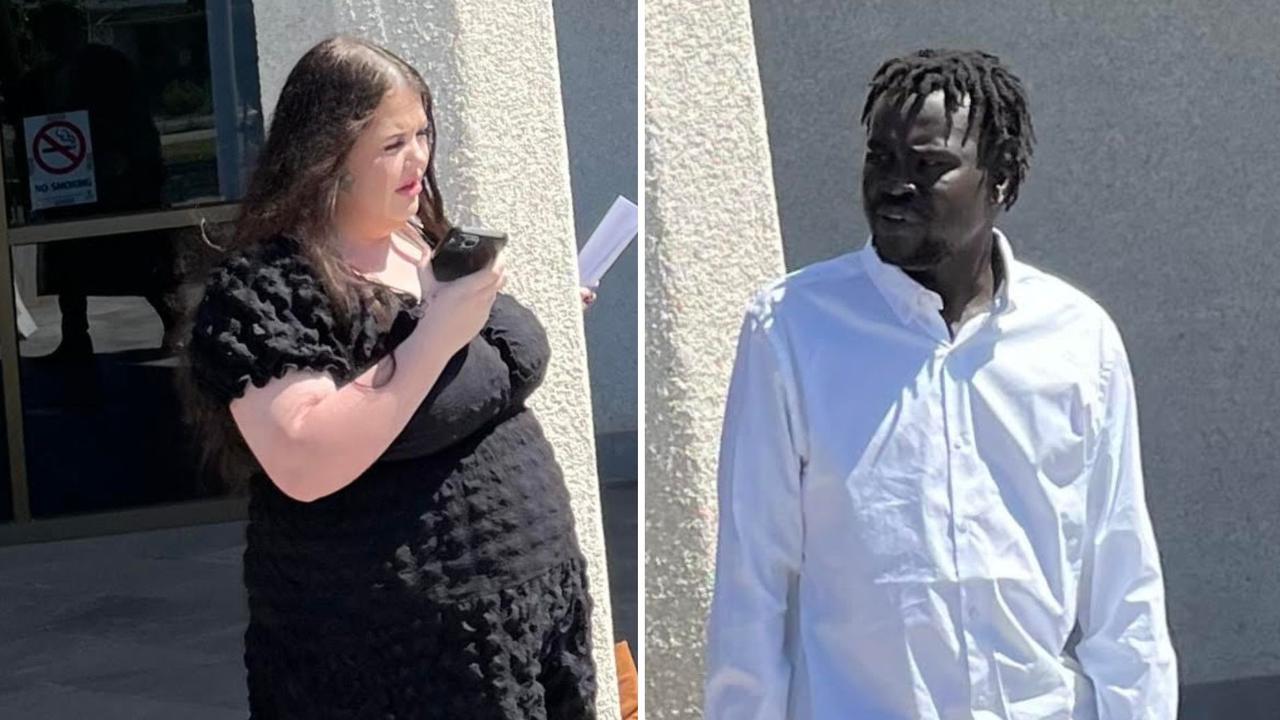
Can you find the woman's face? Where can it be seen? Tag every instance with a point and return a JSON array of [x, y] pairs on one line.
[[386, 167]]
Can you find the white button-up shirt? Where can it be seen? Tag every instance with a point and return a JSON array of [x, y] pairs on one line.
[[916, 526]]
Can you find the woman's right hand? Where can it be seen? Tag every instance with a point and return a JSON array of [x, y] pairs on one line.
[[457, 310]]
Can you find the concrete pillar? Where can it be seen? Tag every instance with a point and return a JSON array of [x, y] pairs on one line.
[[598, 66], [712, 237], [502, 161]]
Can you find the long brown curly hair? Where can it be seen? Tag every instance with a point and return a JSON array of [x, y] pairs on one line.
[[327, 101]]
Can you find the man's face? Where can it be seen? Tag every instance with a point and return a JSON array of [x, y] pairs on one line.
[[923, 193]]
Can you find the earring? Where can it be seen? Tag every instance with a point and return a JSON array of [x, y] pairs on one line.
[[344, 182]]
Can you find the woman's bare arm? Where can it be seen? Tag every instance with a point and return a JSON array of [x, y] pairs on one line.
[[313, 438]]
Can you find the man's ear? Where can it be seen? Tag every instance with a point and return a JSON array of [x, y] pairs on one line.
[[1000, 191]]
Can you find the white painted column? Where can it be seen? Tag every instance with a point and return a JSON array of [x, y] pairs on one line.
[[502, 161], [712, 238]]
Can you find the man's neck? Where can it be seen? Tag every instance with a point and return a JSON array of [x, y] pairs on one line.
[[966, 282]]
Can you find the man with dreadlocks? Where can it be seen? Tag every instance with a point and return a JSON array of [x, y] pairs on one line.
[[931, 493]]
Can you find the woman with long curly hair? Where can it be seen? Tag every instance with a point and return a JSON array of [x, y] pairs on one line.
[[411, 550]]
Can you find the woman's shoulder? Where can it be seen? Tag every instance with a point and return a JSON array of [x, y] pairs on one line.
[[264, 311], [273, 256], [270, 275]]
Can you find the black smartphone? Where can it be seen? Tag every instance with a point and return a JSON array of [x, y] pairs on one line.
[[466, 250]]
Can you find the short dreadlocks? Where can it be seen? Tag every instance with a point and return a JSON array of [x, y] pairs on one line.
[[1005, 137]]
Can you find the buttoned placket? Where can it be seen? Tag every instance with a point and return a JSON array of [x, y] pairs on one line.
[[959, 494], [958, 436]]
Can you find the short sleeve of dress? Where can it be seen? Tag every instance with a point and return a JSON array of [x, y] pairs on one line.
[[262, 316]]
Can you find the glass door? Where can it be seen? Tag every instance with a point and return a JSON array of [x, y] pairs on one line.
[[128, 129]]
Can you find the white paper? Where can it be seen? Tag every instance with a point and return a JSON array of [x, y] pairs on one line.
[[26, 324], [614, 233]]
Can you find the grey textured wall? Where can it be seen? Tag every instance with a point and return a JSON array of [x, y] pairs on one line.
[[597, 41], [1153, 187]]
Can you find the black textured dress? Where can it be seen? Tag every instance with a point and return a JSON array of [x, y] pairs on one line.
[[444, 582]]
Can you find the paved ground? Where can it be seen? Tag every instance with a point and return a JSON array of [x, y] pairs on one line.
[[137, 626], [149, 625]]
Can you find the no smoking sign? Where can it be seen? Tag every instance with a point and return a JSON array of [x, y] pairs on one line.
[[60, 159]]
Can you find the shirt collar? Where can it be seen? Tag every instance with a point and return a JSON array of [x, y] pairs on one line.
[[909, 298]]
